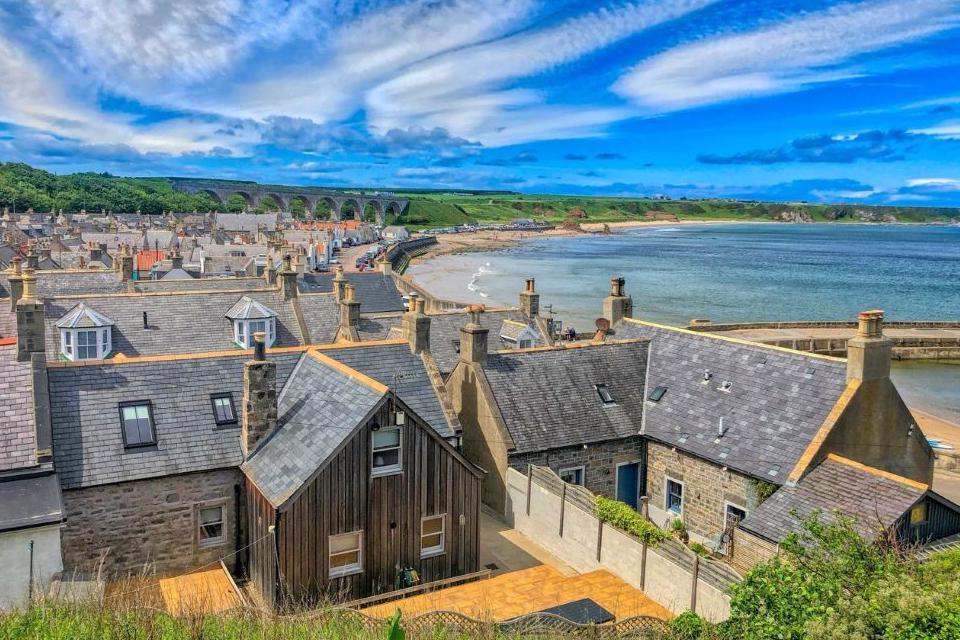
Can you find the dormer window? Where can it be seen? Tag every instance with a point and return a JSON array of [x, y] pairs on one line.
[[85, 334], [250, 317]]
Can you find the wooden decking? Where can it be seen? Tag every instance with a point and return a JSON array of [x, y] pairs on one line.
[[518, 592], [208, 591]]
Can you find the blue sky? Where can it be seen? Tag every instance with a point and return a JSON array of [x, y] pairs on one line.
[[778, 100]]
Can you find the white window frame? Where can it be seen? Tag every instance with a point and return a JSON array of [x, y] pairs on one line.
[[70, 343], [387, 470], [347, 569], [243, 331], [211, 542], [666, 495], [726, 504], [583, 474], [436, 550]]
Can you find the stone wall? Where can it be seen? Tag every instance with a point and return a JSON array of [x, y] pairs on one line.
[[707, 488], [599, 460], [147, 523]]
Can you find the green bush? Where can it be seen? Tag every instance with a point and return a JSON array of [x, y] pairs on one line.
[[620, 515]]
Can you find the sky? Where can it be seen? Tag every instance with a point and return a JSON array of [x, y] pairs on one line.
[[761, 99]]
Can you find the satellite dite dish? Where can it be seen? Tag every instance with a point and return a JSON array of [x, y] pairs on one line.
[[602, 324]]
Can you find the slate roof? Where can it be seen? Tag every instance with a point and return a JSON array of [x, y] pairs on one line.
[[182, 323], [875, 501], [205, 284], [548, 398], [445, 329], [82, 316], [65, 283], [383, 363], [377, 327], [246, 221], [318, 410], [776, 402], [376, 292], [18, 438], [87, 440], [29, 500], [321, 313]]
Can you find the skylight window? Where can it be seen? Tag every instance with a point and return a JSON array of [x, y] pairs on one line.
[[604, 394], [136, 419], [657, 394], [223, 410]]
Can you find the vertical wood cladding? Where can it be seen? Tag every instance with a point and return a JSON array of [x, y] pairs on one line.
[[344, 498]]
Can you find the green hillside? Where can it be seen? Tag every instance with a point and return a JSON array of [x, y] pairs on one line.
[[23, 187]]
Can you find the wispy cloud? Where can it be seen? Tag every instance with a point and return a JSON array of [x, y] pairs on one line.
[[795, 54], [882, 146]]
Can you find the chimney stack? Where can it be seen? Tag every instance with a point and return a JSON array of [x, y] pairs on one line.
[[176, 259], [349, 315], [473, 337], [126, 263], [30, 330], [15, 281], [259, 397], [95, 253], [33, 260], [288, 279], [868, 353], [416, 325], [530, 299], [618, 305], [339, 283], [269, 270], [300, 261], [386, 267]]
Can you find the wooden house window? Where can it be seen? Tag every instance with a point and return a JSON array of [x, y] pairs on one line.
[[674, 493], [346, 554], [137, 422], [210, 520], [573, 475], [432, 536], [223, 411], [918, 514], [387, 456]]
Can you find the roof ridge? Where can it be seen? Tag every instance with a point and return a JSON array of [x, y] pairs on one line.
[[740, 341], [572, 346], [159, 294], [880, 473], [463, 311]]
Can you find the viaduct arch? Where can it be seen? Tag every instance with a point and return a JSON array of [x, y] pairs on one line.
[[253, 194]]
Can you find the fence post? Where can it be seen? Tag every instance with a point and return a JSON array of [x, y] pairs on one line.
[[599, 538], [643, 564], [693, 587], [645, 507], [529, 485], [563, 505]]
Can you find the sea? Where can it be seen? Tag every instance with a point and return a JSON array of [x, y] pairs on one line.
[[735, 273]]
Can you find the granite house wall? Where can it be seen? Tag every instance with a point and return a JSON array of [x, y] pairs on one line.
[[600, 461], [148, 524]]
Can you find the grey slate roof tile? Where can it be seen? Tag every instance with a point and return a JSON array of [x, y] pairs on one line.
[[445, 331], [322, 315], [404, 373], [549, 399], [182, 323], [874, 501], [771, 411], [66, 283], [205, 284], [318, 410], [376, 292], [18, 444], [29, 500], [88, 445]]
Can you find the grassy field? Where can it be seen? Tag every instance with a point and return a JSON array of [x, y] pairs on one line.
[[449, 209]]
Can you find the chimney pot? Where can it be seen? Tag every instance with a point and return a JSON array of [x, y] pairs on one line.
[[530, 299], [870, 324], [259, 346], [868, 352], [617, 305]]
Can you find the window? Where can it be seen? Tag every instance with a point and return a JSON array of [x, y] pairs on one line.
[[386, 451], [137, 421], [223, 410], [732, 515], [918, 514], [432, 536], [657, 394], [346, 554], [604, 394], [210, 521], [525, 343], [244, 331], [68, 344], [573, 475], [86, 345], [674, 501], [456, 345]]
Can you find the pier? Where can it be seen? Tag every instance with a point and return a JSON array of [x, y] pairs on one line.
[[911, 340]]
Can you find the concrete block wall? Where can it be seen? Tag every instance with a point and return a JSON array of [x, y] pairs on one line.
[[148, 524], [15, 564], [662, 579]]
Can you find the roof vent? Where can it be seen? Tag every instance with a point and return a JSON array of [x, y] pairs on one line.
[[707, 375], [604, 393], [721, 429], [726, 386], [657, 394], [809, 372]]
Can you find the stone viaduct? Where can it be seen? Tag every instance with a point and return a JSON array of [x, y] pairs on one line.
[[254, 193]]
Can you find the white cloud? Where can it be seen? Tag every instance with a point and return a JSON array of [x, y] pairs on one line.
[[940, 184], [944, 131], [462, 91], [800, 52]]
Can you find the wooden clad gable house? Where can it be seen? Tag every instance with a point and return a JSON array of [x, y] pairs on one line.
[[347, 487]]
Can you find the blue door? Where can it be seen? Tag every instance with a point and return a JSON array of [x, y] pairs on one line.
[[628, 483]]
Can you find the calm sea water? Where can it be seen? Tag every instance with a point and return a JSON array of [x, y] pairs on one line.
[[735, 273]]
